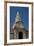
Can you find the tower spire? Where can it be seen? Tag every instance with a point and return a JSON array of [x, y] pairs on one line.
[[18, 18], [17, 13]]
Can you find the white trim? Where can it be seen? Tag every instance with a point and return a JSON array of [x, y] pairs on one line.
[[8, 23]]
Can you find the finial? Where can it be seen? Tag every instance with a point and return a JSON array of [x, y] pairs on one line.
[[17, 13]]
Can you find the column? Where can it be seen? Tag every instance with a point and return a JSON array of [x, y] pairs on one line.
[[14, 34], [17, 35], [24, 35]]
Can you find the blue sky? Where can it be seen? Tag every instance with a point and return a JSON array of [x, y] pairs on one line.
[[23, 11]]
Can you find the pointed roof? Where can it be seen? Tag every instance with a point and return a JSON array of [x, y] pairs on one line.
[[18, 18]]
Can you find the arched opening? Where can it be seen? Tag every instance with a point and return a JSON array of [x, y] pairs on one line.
[[20, 35]]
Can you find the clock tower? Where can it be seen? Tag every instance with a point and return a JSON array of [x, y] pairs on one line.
[[18, 28]]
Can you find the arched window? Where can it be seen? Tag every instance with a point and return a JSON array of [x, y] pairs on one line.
[[20, 35]]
